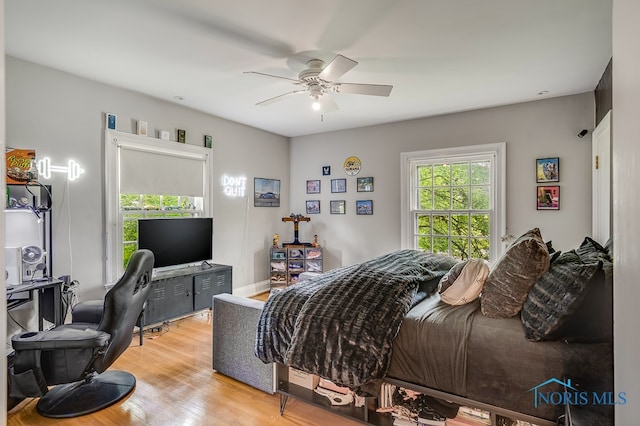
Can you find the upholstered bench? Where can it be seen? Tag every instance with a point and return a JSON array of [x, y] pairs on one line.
[[235, 321]]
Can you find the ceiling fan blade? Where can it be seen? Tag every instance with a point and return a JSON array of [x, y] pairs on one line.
[[327, 104], [363, 89], [278, 98], [271, 75], [336, 68]]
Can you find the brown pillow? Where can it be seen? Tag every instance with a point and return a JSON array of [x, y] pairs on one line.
[[513, 275]]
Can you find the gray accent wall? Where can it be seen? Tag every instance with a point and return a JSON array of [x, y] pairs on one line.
[[545, 128], [62, 116]]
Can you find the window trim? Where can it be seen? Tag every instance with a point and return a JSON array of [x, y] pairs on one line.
[[113, 142], [408, 160]]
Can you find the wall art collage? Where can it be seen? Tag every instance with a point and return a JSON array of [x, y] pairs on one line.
[[548, 173]]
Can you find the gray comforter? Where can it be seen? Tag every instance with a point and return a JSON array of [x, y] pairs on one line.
[[341, 325]]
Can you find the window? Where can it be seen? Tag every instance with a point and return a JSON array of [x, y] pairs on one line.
[[139, 206], [452, 201], [149, 178]]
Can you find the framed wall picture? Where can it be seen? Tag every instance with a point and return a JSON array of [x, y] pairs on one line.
[[266, 192], [142, 128], [352, 166], [548, 198], [338, 185], [364, 207], [337, 207], [111, 121], [547, 170], [181, 136], [313, 187], [365, 184], [313, 206]]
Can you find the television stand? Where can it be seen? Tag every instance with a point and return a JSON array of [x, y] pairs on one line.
[[185, 291]]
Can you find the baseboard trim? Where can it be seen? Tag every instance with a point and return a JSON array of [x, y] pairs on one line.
[[252, 289]]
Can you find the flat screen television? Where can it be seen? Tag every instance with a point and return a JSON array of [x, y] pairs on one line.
[[177, 241]]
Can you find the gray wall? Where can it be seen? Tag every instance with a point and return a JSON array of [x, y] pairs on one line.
[[626, 205], [545, 128], [62, 116]]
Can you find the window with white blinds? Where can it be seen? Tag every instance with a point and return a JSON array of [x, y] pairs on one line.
[[155, 178], [146, 171]]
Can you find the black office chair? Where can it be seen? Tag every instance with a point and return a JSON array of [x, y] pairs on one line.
[[74, 356]]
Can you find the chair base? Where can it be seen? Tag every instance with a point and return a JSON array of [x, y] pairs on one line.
[[86, 396]]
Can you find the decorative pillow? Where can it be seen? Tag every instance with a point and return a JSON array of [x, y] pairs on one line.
[[464, 282], [553, 253], [592, 320], [609, 247], [513, 275], [449, 278], [554, 256], [426, 289], [591, 250], [550, 248], [556, 295]]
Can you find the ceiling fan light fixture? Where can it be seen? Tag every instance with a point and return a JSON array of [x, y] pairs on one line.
[[315, 101], [318, 80]]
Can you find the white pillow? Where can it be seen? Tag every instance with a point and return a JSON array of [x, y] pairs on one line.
[[464, 282]]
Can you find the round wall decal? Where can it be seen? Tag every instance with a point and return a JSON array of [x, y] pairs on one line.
[[352, 166]]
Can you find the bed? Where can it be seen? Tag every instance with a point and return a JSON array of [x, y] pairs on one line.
[[384, 320]]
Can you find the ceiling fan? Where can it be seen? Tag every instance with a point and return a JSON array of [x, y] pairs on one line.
[[319, 80]]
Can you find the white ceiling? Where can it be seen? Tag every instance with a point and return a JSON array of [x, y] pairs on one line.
[[441, 56]]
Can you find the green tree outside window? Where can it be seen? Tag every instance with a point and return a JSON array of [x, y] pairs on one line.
[[453, 201]]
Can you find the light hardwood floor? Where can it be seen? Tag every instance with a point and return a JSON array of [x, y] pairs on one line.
[[177, 386]]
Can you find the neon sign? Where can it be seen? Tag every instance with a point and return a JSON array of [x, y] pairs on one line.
[[234, 186], [45, 168]]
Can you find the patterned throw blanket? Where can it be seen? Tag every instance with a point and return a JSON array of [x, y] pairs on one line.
[[341, 325]]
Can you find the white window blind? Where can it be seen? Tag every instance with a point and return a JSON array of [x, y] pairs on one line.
[[148, 172], [137, 164]]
